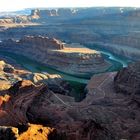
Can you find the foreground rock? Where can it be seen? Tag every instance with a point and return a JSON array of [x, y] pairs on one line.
[[69, 58], [117, 98], [109, 32], [9, 75], [28, 132], [103, 114], [25, 103]]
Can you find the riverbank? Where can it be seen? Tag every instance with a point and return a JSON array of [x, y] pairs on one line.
[[110, 55], [78, 82]]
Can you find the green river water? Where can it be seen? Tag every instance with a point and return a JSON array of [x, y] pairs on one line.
[[78, 83]]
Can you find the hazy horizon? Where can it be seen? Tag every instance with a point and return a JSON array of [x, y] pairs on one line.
[[5, 5]]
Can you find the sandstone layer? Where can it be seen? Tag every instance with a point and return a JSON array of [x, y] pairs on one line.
[[9, 76], [28, 132], [69, 58], [113, 29], [105, 113]]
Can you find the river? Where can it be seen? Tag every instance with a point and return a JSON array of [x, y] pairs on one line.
[[76, 82]]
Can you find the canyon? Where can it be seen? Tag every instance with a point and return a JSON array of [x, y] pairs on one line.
[[69, 58], [107, 112], [115, 29], [70, 74]]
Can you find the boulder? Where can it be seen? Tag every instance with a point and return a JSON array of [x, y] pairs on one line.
[[9, 76]]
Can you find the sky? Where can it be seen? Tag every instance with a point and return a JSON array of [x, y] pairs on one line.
[[12, 5]]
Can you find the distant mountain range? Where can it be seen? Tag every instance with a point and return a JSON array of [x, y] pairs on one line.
[[95, 10], [15, 13]]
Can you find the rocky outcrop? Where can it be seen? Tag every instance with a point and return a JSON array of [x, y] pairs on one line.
[[30, 131], [38, 104], [70, 58], [121, 100], [6, 21], [9, 76], [35, 14], [127, 80], [103, 114], [120, 36], [16, 21], [40, 41]]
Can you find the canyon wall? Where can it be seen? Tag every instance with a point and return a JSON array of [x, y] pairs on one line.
[[116, 29], [106, 112], [73, 59]]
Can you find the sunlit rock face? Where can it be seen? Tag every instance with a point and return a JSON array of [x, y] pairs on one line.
[[7, 76], [15, 20], [10, 75], [28, 131], [38, 104], [69, 58], [115, 29], [120, 36], [6, 20], [105, 113]]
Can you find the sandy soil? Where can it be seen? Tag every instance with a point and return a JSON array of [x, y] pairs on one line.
[[11, 25], [77, 48]]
